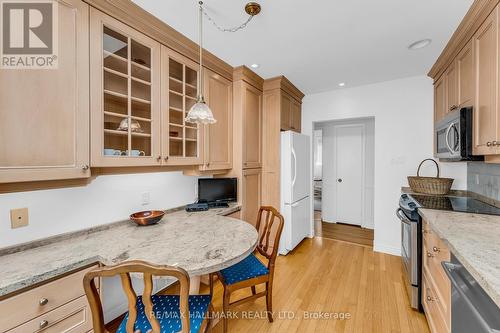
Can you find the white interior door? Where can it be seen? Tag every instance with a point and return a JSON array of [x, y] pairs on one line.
[[349, 160]]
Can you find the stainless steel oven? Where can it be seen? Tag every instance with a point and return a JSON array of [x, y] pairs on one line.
[[411, 240], [453, 136]]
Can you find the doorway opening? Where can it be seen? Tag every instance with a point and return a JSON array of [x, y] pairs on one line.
[[343, 178]]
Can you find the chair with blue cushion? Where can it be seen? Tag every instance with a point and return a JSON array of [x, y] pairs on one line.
[[151, 313], [251, 271]]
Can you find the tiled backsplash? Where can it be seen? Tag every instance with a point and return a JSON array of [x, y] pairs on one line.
[[484, 179]]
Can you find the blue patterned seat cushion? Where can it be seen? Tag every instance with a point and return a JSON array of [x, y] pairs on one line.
[[166, 309], [247, 269]]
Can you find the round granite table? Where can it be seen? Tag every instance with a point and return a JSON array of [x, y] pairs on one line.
[[200, 243]]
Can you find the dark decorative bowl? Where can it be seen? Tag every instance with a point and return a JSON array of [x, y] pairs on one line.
[[147, 217]]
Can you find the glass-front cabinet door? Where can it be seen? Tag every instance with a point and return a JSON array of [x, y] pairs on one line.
[[125, 85], [181, 141]]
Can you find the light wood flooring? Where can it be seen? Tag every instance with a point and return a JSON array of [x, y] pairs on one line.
[[342, 232], [331, 277]]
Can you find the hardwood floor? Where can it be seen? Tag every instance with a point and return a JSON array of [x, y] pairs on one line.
[[327, 276], [323, 276], [342, 232]]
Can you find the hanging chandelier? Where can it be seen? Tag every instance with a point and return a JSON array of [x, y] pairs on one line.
[[200, 112]]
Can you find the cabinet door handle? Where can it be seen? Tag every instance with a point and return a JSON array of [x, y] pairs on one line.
[[494, 143], [85, 167], [429, 255], [158, 158], [488, 144], [43, 324], [43, 301], [436, 249], [166, 158]]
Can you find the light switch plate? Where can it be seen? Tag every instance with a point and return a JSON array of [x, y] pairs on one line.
[[18, 218]]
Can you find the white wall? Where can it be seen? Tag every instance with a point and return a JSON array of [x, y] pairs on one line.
[[329, 188], [403, 111], [106, 199]]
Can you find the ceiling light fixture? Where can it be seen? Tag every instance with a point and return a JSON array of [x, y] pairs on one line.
[[200, 113], [251, 8], [341, 84], [420, 44], [255, 66]]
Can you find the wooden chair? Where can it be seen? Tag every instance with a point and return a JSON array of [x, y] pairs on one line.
[[151, 313], [251, 271]]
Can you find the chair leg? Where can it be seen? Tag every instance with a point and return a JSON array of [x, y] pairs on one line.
[[225, 309], [253, 290], [269, 301]]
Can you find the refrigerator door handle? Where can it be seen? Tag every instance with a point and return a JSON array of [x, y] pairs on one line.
[[294, 178], [294, 204]]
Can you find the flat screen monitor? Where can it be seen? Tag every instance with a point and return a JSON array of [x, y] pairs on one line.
[[217, 189]]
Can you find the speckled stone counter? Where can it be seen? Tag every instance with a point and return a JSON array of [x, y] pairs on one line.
[[201, 243], [475, 240]]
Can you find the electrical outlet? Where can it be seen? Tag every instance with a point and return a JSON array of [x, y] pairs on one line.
[[18, 218], [145, 199]]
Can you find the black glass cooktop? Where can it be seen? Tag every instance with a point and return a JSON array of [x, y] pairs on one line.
[[456, 204]]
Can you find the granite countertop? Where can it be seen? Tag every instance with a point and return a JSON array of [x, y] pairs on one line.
[[475, 240], [201, 243]]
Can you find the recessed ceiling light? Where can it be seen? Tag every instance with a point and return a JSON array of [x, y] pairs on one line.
[[255, 65], [420, 44], [342, 84]]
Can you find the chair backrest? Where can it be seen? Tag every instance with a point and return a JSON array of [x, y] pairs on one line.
[[148, 270], [269, 225]]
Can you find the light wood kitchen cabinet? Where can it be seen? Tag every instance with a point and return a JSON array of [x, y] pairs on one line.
[[251, 194], [486, 116], [58, 306], [125, 100], [465, 72], [451, 85], [219, 136], [286, 114], [296, 112], [440, 102], [436, 287], [282, 111], [252, 126], [182, 142], [44, 114]]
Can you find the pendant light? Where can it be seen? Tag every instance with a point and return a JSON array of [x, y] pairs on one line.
[[200, 113]]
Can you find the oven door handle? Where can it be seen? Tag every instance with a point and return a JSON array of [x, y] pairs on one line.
[[402, 217], [447, 138], [451, 271]]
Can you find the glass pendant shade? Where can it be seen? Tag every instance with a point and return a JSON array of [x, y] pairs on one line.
[[200, 113]]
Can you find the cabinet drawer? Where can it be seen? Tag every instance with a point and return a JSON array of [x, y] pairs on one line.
[[433, 313], [74, 317], [56, 293], [435, 252]]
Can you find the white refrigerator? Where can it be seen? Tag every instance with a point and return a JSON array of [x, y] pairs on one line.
[[295, 189]]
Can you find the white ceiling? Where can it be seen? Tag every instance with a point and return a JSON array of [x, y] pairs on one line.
[[318, 44]]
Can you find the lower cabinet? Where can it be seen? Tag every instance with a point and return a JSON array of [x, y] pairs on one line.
[[58, 306], [436, 287], [252, 179]]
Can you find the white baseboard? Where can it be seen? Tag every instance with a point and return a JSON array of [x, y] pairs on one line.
[[396, 251]]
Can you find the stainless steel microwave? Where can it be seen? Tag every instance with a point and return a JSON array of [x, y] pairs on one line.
[[453, 136]]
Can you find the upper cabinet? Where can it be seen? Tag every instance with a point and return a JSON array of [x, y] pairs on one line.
[[125, 86], [182, 142], [44, 114], [467, 73], [486, 117], [219, 136], [291, 113], [252, 126], [440, 102], [296, 112]]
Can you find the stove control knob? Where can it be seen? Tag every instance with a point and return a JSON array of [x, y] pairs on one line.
[[412, 205], [404, 196]]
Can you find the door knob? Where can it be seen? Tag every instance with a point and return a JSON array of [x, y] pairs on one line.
[[339, 180]]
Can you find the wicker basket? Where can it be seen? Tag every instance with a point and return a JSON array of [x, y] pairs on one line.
[[430, 185]]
